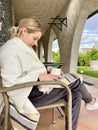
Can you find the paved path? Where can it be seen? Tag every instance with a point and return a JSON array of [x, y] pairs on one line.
[[90, 80]]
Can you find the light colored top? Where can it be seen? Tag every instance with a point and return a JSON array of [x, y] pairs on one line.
[[19, 64]]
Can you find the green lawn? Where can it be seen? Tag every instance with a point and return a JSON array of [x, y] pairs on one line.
[[87, 71]]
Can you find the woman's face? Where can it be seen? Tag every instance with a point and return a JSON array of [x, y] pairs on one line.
[[31, 39]]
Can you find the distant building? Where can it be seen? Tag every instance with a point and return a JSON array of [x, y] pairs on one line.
[[84, 50]]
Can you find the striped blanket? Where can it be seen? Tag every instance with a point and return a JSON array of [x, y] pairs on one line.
[[20, 121]]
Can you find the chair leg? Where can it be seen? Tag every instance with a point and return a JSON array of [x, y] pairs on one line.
[[53, 114], [60, 111]]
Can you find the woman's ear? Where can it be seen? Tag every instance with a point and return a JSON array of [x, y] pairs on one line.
[[24, 31]]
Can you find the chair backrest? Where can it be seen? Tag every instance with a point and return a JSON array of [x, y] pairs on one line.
[[3, 108]]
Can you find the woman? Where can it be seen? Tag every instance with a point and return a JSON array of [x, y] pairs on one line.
[[19, 63]]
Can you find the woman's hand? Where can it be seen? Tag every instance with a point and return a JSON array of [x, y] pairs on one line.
[[48, 77]]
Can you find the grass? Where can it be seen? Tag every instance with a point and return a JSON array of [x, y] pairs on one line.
[[87, 71]]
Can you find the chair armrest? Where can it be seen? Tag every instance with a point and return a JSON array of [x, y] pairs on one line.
[[34, 83]]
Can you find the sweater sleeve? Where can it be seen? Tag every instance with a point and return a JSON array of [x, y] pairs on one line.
[[11, 71]]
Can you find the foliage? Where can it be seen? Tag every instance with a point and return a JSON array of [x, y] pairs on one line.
[[84, 59], [94, 54], [81, 61], [87, 71], [56, 56]]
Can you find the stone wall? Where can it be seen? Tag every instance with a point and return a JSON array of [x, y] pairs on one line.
[[94, 65], [5, 20]]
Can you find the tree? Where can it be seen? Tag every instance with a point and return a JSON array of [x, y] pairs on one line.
[[84, 59], [87, 59], [94, 54], [56, 56], [81, 59]]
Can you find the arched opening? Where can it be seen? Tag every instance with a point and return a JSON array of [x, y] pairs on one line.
[[55, 51], [89, 37], [89, 45]]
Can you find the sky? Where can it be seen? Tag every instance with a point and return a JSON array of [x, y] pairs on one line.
[[89, 36], [90, 32]]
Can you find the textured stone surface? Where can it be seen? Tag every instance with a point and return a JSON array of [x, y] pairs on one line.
[[5, 19], [44, 10]]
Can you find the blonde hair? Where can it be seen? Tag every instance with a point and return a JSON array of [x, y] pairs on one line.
[[31, 24]]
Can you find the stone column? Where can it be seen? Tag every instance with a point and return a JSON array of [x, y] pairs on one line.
[[5, 20], [45, 42], [88, 8], [65, 37]]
